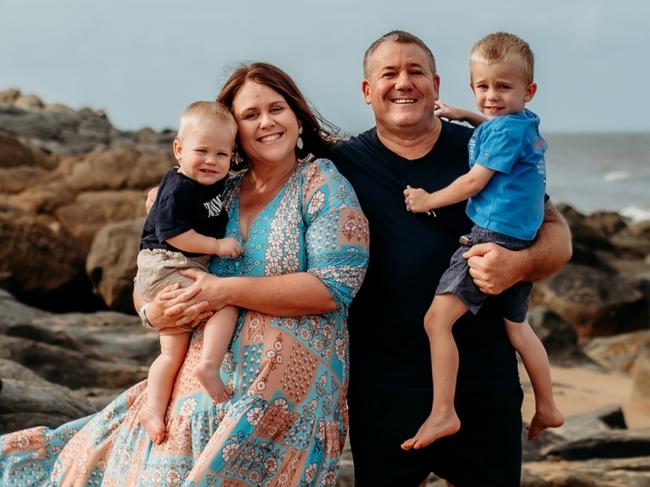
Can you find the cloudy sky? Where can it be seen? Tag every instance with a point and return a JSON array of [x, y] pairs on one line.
[[143, 61]]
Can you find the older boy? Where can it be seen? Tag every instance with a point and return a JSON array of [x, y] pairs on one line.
[[184, 229], [505, 186]]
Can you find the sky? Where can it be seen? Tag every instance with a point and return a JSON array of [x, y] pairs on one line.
[[143, 61]]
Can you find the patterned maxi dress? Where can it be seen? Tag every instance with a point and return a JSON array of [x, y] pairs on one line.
[[287, 419]]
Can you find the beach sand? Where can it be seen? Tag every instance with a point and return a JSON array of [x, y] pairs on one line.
[[578, 390]]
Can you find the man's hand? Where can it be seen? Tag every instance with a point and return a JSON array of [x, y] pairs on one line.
[[494, 268]]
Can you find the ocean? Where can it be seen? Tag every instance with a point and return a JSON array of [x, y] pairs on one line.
[[608, 171]]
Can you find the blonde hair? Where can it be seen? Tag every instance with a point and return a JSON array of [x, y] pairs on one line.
[[503, 47], [205, 111]]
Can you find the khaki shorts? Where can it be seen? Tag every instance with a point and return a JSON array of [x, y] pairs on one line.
[[158, 268]]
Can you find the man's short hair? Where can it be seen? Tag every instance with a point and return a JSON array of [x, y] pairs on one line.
[[205, 111], [401, 37], [503, 47]]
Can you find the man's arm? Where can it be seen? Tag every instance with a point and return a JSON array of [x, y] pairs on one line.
[[495, 268]]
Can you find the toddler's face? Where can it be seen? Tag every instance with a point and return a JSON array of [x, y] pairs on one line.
[[205, 152], [500, 88]]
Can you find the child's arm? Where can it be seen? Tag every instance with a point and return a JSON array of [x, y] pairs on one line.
[[459, 114], [419, 201], [196, 243]]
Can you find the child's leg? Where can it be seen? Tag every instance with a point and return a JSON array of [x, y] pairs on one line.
[[443, 421], [160, 381], [532, 353], [216, 337]]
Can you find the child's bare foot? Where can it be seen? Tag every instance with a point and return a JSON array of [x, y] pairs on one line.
[[434, 428], [544, 418], [208, 376], [153, 424]]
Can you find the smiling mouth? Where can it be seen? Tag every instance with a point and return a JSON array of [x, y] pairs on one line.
[[270, 138], [403, 101]]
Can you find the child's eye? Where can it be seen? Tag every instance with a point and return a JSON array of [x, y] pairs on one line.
[[201, 151]]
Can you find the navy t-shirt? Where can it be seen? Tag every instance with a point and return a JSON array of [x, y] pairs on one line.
[[409, 252], [183, 204]]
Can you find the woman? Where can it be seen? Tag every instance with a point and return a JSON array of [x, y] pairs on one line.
[[305, 252]]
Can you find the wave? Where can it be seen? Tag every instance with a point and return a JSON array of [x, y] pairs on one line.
[[616, 176], [635, 213]]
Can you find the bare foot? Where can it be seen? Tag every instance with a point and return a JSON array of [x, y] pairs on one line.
[[544, 418], [434, 428], [208, 376], [153, 424]]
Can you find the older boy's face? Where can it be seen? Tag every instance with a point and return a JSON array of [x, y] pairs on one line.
[[401, 88], [205, 152], [500, 88]]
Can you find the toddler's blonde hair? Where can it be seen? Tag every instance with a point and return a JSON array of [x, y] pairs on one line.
[[503, 47]]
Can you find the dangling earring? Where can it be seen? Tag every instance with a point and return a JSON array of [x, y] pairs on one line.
[[299, 143]]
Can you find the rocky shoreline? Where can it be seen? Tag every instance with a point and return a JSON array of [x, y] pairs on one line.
[[71, 210]]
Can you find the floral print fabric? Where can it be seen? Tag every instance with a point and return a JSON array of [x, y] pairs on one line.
[[286, 422]]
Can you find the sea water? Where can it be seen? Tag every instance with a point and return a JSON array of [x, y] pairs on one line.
[[608, 171]]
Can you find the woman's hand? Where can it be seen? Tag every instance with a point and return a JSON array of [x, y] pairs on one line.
[[195, 302]]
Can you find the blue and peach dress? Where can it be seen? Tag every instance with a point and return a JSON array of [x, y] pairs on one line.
[[286, 422]]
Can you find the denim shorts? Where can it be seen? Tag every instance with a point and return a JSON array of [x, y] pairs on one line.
[[513, 302]]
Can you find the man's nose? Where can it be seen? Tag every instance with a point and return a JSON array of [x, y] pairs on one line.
[[403, 81]]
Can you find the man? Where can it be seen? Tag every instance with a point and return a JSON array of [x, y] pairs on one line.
[[390, 371]]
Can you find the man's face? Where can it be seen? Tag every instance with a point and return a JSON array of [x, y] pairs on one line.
[[401, 87]]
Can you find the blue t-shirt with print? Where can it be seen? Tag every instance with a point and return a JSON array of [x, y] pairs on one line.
[[512, 202]]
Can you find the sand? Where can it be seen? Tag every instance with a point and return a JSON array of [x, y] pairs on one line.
[[578, 390]]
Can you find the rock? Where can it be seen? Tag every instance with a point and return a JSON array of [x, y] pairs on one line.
[[634, 241], [594, 302], [111, 263], [557, 335], [43, 198], [593, 422], [606, 444], [12, 312], [27, 400], [626, 472], [617, 352], [641, 375], [115, 169], [91, 210], [606, 223], [14, 153], [17, 179], [28, 102], [68, 367], [37, 256], [8, 96]]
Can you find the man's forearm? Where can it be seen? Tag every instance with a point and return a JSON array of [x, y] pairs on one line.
[[552, 248]]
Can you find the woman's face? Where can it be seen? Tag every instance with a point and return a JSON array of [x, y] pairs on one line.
[[268, 127]]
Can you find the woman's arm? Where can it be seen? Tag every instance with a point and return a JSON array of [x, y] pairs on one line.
[[294, 294], [495, 268]]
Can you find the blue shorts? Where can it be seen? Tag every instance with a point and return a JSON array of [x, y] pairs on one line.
[[456, 279]]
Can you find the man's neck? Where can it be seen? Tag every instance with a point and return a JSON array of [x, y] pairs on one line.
[[411, 145]]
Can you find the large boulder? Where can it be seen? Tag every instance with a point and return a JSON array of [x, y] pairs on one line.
[[557, 335], [634, 241], [91, 210], [27, 400], [594, 302], [111, 263], [617, 352], [38, 254], [17, 179], [123, 168], [641, 375]]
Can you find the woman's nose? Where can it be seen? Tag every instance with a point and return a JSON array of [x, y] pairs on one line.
[[266, 120]]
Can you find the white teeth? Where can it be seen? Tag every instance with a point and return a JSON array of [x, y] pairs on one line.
[[402, 101], [269, 138]]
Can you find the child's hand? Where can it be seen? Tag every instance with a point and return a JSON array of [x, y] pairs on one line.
[[417, 200], [450, 113], [228, 247]]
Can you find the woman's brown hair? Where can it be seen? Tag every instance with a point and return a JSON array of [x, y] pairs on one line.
[[318, 134]]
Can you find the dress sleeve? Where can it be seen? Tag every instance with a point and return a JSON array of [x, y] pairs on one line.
[[337, 233]]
